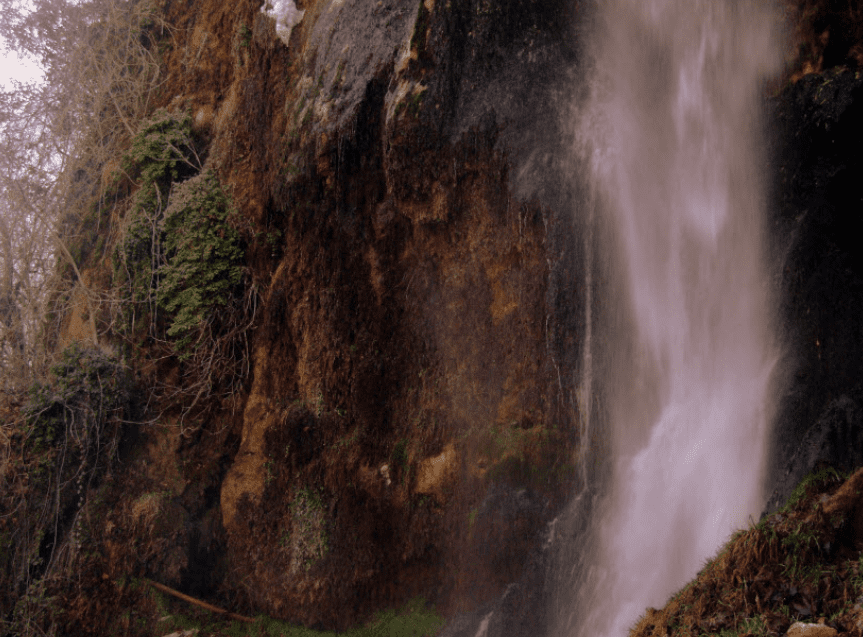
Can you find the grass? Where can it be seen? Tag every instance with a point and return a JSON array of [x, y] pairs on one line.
[[414, 619], [828, 473], [795, 565]]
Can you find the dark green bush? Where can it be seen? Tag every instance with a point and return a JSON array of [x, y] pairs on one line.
[[204, 259], [178, 250], [161, 153], [71, 424], [86, 389], [179, 259]]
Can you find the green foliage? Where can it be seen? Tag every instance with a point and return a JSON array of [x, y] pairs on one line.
[[88, 387], [414, 102], [471, 518], [160, 154], [828, 473], [418, 38], [400, 456], [273, 237], [34, 610], [754, 626], [415, 619], [245, 35], [856, 579], [798, 544], [340, 75], [71, 424], [178, 251], [204, 259]]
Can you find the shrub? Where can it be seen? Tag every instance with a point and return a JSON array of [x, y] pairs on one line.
[[204, 260], [70, 428], [161, 153], [88, 388], [178, 260]]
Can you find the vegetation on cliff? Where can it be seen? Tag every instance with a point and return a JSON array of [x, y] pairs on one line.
[[62, 442], [266, 244], [297, 330], [799, 564]]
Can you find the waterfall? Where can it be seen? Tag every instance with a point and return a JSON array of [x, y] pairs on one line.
[[671, 130]]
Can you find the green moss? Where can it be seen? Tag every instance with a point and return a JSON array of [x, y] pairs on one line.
[[340, 75], [415, 619], [400, 456], [415, 102], [273, 238], [319, 85], [245, 35], [161, 153], [856, 579], [471, 518], [204, 260]]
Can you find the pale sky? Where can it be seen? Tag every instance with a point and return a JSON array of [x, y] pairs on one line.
[[14, 68]]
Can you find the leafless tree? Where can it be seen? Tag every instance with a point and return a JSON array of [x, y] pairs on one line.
[[60, 139]]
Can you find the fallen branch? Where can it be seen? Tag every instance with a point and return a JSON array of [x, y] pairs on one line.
[[197, 602]]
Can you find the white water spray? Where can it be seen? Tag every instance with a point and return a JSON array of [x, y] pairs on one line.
[[671, 128]]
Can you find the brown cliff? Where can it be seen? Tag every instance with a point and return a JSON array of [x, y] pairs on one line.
[[409, 357]]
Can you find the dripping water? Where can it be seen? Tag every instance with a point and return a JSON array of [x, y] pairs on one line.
[[672, 131]]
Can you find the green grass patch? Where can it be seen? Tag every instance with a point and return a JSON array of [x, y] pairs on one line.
[[414, 619], [828, 473]]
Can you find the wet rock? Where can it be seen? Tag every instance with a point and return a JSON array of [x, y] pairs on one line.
[[836, 439], [521, 610], [162, 528], [505, 528], [817, 127], [467, 624]]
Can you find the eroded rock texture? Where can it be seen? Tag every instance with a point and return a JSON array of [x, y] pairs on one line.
[[399, 167], [817, 196], [414, 234]]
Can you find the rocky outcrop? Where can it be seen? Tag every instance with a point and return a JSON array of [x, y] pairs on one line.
[[817, 167], [397, 166], [835, 440]]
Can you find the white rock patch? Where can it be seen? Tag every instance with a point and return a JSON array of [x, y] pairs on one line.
[[286, 15]]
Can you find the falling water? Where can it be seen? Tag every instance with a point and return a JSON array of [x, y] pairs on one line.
[[672, 132]]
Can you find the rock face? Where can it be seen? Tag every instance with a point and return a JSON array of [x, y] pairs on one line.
[[836, 440], [817, 169], [397, 166]]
